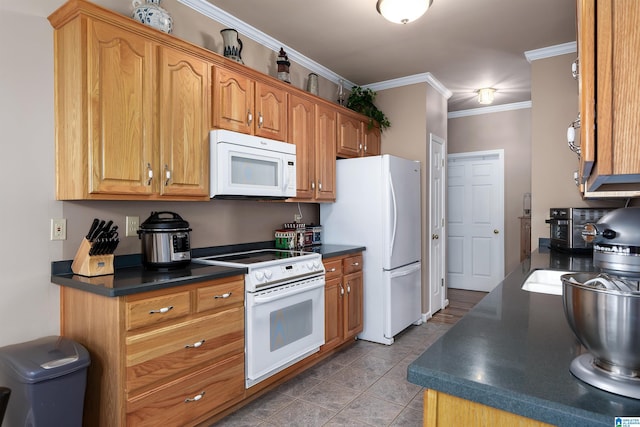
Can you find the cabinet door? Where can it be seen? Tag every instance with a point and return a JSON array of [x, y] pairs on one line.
[[349, 136], [325, 153], [353, 301], [184, 124], [372, 140], [232, 101], [586, 84], [121, 102], [333, 313], [618, 97], [270, 112], [301, 124]]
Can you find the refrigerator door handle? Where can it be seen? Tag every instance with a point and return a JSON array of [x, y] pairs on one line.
[[395, 215], [406, 272]]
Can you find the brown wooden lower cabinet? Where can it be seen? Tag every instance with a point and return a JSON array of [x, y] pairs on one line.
[[441, 409], [343, 316], [175, 357]]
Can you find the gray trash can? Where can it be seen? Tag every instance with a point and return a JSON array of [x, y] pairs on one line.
[[47, 378]]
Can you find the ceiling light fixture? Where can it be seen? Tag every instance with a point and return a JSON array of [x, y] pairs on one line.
[[402, 11], [485, 95]]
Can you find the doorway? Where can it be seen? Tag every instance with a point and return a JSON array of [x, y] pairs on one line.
[[437, 225], [475, 220]]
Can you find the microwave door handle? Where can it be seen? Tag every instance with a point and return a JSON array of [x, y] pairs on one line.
[[286, 179]]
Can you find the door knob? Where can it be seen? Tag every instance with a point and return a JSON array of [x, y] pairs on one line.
[[435, 236], [496, 231]]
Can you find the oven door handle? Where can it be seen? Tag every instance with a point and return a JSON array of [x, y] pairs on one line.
[[557, 221], [305, 288]]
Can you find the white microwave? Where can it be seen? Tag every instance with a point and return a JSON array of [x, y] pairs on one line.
[[248, 166]]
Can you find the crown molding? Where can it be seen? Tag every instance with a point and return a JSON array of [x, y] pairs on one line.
[[488, 110], [226, 19], [409, 80], [547, 52]]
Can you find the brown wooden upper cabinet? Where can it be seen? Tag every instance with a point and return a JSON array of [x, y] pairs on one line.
[[244, 104], [355, 137], [608, 40], [137, 126], [312, 129]]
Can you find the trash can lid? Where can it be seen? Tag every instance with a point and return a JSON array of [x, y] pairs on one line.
[[43, 359]]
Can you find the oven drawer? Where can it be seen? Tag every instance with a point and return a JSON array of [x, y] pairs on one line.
[[351, 264], [220, 295], [333, 268], [164, 353], [156, 309], [185, 400]]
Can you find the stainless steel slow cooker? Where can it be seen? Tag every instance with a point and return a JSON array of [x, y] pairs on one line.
[[616, 242], [165, 241]]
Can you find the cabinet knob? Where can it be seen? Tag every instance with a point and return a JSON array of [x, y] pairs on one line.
[[313, 185], [496, 231], [249, 117], [319, 185], [341, 290], [162, 310], [260, 120], [195, 398], [167, 175], [435, 236], [195, 344], [149, 173]]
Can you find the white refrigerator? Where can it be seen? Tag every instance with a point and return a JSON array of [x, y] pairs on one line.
[[378, 206]]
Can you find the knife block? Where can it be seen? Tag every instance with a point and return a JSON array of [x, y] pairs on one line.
[[90, 266]]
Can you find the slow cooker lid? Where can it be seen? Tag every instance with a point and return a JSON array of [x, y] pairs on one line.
[[164, 221]]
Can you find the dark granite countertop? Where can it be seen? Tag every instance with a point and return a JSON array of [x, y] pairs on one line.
[[130, 277], [512, 352]]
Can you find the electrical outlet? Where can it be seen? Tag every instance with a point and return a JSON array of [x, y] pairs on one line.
[[58, 229], [132, 224]]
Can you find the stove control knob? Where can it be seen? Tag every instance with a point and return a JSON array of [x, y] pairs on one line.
[[259, 276], [316, 265], [309, 265], [609, 234], [268, 274]]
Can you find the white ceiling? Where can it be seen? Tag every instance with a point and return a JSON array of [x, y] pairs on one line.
[[464, 44]]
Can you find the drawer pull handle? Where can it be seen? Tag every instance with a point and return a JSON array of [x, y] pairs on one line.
[[355, 264], [195, 344], [194, 398], [227, 295], [162, 310], [348, 287]]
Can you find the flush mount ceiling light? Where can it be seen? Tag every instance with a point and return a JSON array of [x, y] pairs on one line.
[[402, 11], [485, 95]]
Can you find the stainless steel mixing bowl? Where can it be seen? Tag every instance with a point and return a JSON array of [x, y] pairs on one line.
[[607, 323]]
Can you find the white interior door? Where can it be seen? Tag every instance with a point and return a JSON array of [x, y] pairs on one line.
[[475, 240], [437, 234]]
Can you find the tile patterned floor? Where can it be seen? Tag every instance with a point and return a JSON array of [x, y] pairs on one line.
[[363, 385]]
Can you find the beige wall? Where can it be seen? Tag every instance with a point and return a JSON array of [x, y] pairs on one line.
[[554, 94], [510, 131], [407, 108], [29, 303]]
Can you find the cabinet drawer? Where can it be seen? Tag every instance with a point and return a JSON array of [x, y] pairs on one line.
[[165, 353], [220, 295], [181, 402], [352, 263], [156, 309], [333, 268]]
